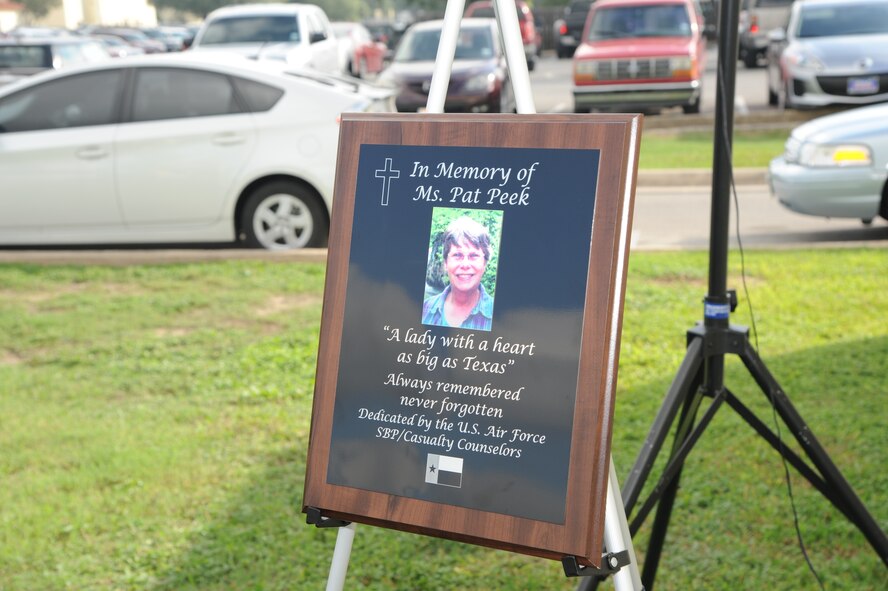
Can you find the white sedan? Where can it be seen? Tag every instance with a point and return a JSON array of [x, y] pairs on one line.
[[836, 166], [173, 149]]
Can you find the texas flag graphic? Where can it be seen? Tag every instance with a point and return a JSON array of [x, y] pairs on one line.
[[444, 470]]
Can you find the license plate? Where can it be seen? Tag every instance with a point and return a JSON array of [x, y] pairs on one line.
[[568, 40], [868, 85]]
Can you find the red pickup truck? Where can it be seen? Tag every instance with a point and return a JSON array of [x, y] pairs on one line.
[[640, 55]]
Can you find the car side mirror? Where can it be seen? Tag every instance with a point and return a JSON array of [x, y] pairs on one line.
[[316, 37]]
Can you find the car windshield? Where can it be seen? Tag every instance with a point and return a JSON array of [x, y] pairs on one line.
[[252, 29], [656, 20], [844, 19], [24, 56], [422, 46]]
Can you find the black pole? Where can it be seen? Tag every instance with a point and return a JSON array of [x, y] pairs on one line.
[[717, 307], [729, 15]]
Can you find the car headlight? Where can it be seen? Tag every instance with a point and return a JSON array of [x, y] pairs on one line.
[[681, 66], [804, 61], [481, 83], [838, 155], [584, 67]]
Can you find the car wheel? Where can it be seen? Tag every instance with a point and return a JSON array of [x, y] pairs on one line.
[[773, 99], [531, 64], [750, 59], [693, 108], [284, 215], [784, 101]]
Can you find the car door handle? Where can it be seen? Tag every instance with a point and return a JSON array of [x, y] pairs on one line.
[[228, 138], [92, 153]]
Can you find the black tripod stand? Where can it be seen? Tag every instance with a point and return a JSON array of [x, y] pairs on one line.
[[701, 374]]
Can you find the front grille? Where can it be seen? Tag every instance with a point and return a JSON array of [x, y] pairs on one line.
[[633, 69], [838, 85]]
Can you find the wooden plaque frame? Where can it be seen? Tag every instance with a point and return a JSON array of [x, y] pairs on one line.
[[617, 136]]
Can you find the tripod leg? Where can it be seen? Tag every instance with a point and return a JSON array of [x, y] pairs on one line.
[[684, 440], [851, 505], [686, 380]]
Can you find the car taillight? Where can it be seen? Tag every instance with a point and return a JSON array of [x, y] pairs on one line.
[[753, 25], [562, 30]]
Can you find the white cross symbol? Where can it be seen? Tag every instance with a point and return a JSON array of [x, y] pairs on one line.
[[387, 174]]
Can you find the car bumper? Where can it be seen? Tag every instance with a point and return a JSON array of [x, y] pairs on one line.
[[637, 95], [827, 192], [810, 90], [409, 101], [568, 41]]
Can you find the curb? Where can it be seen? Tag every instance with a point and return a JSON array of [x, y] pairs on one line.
[[697, 177]]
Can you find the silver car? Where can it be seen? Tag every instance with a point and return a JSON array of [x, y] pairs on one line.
[[836, 166], [831, 52]]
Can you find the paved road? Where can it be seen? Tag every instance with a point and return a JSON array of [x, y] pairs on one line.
[[678, 217], [665, 218]]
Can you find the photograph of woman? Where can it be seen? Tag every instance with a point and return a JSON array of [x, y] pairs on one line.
[[466, 250]]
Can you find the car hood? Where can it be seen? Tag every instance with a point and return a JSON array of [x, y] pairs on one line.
[[629, 48], [854, 124], [400, 71], [291, 53], [848, 51]]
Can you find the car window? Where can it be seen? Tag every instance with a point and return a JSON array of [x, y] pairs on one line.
[[654, 20], [846, 19], [73, 101], [418, 46], [474, 44], [25, 56], [252, 29], [176, 93], [258, 97]]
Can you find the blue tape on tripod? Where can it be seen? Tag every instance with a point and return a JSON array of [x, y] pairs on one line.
[[716, 311]]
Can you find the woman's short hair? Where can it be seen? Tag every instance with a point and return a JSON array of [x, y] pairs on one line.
[[465, 229]]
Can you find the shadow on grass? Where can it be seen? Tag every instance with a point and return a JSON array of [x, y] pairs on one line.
[[732, 520]]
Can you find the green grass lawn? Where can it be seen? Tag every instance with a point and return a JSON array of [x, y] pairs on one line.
[[751, 149], [154, 423]]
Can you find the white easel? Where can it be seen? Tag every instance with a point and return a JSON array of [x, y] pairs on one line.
[[617, 539]]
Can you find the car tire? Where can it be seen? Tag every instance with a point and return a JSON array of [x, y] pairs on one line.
[[693, 108], [750, 59], [783, 101], [284, 215], [773, 97], [531, 64]]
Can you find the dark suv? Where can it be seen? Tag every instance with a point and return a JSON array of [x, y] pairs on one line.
[[27, 56], [569, 28]]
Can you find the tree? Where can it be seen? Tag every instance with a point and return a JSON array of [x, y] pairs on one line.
[[335, 9], [39, 8]]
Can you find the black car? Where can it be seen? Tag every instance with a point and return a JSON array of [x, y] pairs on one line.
[[20, 57], [569, 28]]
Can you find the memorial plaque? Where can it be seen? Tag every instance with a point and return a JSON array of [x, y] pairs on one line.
[[471, 324]]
